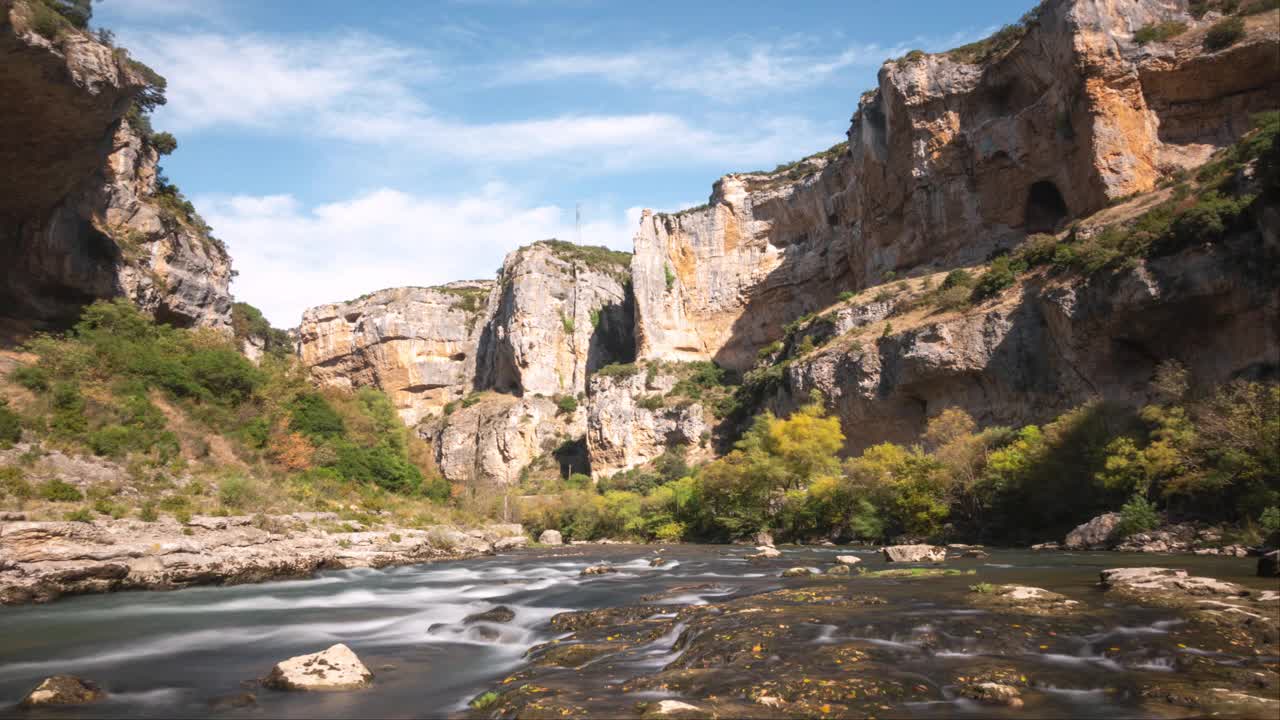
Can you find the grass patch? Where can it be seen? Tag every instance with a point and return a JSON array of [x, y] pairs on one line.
[[1159, 32]]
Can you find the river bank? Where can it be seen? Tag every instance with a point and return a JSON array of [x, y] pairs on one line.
[[526, 633], [43, 561]]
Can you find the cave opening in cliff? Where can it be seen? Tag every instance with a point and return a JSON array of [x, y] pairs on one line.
[[1045, 208]]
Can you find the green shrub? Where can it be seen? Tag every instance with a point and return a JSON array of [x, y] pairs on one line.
[[650, 402], [235, 492], [31, 377], [148, 512], [1270, 520], [381, 465], [1159, 32], [450, 408], [846, 296], [47, 22], [566, 404], [619, 370], [163, 143], [670, 276], [56, 490], [311, 415], [983, 588], [13, 485], [10, 425], [567, 323], [957, 278], [1224, 33], [1137, 516], [82, 515], [578, 481], [1002, 274]]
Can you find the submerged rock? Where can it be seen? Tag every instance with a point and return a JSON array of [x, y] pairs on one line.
[[63, 690], [597, 570], [838, 570], [551, 537], [915, 553], [657, 562], [336, 668], [1045, 547], [1022, 598], [797, 572], [1157, 580], [499, 614], [990, 693], [674, 709]]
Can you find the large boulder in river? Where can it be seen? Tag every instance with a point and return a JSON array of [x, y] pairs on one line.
[[990, 693], [848, 559], [551, 537], [915, 553], [63, 690], [336, 668], [597, 570], [1093, 535]]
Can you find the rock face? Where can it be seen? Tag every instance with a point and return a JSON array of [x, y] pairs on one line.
[[950, 157], [560, 312], [82, 215], [336, 668], [1093, 535], [47, 560], [623, 432], [551, 537], [418, 345], [492, 441], [63, 690], [1042, 349], [915, 553]]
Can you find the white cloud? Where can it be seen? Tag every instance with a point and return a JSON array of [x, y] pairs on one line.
[[360, 89], [718, 74], [292, 257]]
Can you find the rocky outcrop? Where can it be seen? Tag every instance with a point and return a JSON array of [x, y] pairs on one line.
[[82, 214], [950, 157], [1097, 534], [494, 439], [1052, 344], [629, 424], [46, 560], [419, 345], [560, 312], [335, 668]]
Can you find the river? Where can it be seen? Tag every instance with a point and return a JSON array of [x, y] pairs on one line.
[[166, 654]]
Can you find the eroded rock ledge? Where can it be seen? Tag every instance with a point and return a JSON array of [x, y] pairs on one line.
[[42, 561]]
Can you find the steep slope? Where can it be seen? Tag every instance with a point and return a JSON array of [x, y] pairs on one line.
[[83, 212], [951, 157]]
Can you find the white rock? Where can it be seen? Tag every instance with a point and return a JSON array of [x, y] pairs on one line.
[[848, 559], [336, 668], [551, 537], [915, 553]]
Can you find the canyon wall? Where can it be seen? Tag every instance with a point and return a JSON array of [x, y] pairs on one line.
[[81, 214], [952, 156]]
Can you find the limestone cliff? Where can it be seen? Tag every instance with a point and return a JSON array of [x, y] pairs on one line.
[[492, 438], [629, 424], [952, 156], [82, 215], [417, 344], [1044, 346], [561, 311]]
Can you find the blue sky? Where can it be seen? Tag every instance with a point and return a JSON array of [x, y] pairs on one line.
[[343, 147]]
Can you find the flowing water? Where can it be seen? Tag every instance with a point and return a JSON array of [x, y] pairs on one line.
[[176, 653]]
